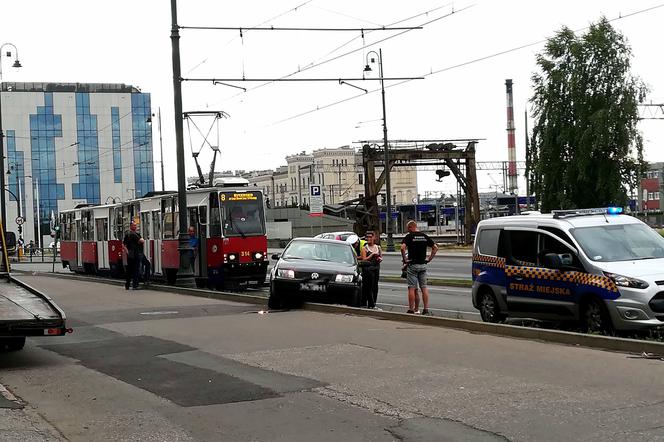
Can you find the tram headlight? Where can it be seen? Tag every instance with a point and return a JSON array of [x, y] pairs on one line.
[[232, 257], [258, 256]]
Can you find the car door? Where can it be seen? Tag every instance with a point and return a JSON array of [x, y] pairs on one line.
[[533, 290]]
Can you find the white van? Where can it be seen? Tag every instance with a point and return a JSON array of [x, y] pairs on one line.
[[595, 266]]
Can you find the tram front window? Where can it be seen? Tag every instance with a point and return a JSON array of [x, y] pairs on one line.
[[242, 213]]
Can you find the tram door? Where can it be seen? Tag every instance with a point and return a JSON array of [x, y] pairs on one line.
[[198, 220]]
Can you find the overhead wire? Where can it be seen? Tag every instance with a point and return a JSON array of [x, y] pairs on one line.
[[345, 54], [294, 9], [456, 66]]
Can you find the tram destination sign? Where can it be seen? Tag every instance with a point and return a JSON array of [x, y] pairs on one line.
[[238, 196]]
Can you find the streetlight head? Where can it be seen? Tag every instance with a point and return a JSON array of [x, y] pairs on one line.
[[367, 68], [17, 64]]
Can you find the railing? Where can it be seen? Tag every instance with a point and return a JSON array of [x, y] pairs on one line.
[[35, 254]]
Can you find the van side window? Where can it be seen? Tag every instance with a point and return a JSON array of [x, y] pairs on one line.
[[488, 242], [551, 245], [559, 233], [523, 247]]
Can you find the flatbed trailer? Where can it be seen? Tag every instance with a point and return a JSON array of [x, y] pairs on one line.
[[24, 311]]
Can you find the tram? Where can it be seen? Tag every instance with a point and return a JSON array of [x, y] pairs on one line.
[[228, 220]]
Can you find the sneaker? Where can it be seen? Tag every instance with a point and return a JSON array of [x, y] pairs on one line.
[[417, 312], [426, 311], [378, 309], [411, 312]]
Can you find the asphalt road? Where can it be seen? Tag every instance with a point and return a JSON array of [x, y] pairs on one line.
[[451, 302], [443, 265], [148, 365]]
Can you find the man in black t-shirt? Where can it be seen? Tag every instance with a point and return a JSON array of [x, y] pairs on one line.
[[416, 244]]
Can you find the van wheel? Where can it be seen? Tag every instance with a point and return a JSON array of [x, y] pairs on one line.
[[595, 318], [489, 309]]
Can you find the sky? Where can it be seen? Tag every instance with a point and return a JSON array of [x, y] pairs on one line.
[[462, 94]]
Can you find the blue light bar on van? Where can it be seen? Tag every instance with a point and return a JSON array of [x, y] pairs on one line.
[[560, 214]]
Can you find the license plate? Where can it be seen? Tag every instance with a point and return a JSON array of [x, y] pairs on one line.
[[311, 287]]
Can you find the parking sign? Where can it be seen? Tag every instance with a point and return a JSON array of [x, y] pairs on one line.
[[315, 200]]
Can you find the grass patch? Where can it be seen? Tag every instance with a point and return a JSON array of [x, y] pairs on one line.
[[449, 282]]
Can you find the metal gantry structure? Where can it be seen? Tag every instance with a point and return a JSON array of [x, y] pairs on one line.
[[456, 155]]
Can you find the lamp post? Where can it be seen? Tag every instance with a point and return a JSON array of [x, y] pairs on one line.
[[3, 211], [388, 191]]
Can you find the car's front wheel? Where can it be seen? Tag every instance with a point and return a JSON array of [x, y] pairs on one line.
[[355, 299], [275, 300]]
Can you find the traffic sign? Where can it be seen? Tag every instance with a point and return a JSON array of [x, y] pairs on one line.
[[315, 200], [19, 220]]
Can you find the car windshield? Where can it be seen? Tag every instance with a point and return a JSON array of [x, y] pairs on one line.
[[320, 251], [625, 242]]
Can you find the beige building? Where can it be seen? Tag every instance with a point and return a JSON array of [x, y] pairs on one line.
[[338, 171]]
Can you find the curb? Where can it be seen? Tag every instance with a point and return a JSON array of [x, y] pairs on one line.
[[597, 342]]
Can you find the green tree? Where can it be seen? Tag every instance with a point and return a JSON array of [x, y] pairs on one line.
[[585, 148]]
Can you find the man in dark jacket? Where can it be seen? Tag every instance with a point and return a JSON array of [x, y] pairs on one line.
[[132, 248]]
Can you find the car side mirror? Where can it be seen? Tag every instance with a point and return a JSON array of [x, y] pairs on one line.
[[276, 256], [552, 261]]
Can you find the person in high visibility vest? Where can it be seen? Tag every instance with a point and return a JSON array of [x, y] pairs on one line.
[[357, 243]]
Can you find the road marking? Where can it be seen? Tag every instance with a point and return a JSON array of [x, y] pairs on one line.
[[168, 312]]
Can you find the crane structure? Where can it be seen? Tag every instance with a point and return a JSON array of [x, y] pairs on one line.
[[457, 155]]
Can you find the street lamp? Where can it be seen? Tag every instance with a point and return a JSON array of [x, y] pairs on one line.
[[388, 191], [3, 211]]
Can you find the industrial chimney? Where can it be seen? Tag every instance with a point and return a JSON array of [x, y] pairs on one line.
[[511, 142]]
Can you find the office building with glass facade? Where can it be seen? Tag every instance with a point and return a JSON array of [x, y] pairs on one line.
[[73, 143]]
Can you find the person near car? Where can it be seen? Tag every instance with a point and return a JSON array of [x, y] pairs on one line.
[[371, 256], [31, 248], [415, 244], [132, 248], [357, 243]]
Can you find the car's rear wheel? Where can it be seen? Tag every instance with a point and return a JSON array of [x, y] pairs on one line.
[[489, 309], [595, 317]]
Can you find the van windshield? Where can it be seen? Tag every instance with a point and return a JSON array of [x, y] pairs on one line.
[[624, 242]]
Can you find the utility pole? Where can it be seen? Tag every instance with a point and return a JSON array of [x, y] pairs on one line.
[[339, 179], [183, 241], [161, 150], [388, 192]]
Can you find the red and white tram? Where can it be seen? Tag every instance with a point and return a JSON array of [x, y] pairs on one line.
[[229, 223]]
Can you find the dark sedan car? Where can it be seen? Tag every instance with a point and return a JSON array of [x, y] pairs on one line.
[[321, 270]]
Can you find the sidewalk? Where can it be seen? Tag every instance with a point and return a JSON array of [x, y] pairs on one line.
[[20, 423]]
